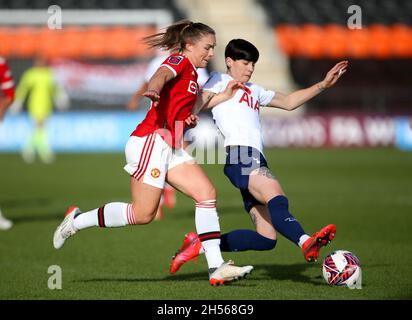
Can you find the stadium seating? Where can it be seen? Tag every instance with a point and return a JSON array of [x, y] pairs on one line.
[[336, 11], [92, 4], [308, 28], [101, 43], [314, 34], [315, 41], [95, 42]]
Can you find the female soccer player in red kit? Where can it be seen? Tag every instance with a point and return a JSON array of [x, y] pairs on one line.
[[6, 87], [154, 152], [6, 99]]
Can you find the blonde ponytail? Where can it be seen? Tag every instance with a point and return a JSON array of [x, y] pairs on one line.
[[178, 35]]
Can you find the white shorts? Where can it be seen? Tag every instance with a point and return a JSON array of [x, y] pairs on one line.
[[150, 157]]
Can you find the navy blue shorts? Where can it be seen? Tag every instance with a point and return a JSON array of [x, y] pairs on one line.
[[240, 162]]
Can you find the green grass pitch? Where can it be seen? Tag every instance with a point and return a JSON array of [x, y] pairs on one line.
[[366, 193]]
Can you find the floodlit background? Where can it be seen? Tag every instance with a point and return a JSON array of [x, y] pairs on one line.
[[344, 157]]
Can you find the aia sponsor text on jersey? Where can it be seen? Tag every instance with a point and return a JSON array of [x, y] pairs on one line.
[[247, 98]]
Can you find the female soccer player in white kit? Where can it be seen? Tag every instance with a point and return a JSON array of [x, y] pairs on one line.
[[154, 152], [238, 120]]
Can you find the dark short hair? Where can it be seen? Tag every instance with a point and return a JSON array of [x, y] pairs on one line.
[[241, 49]]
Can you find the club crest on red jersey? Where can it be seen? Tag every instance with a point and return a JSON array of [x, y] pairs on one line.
[[175, 60], [155, 173]]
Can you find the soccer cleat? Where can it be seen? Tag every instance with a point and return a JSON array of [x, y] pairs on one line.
[[228, 272], [65, 229], [312, 246], [188, 251]]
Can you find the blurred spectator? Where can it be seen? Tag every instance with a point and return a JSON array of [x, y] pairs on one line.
[[6, 99], [38, 85]]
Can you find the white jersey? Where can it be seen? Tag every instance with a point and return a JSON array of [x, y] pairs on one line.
[[238, 118], [154, 64]]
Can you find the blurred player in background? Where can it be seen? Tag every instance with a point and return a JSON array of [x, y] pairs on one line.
[[40, 88], [168, 198], [6, 99], [6, 86], [246, 167], [154, 152]]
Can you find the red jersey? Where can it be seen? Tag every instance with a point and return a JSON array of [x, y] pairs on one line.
[[177, 99], [6, 79]]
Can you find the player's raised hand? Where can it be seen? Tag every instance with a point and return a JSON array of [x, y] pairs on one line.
[[152, 95], [232, 87], [335, 73], [191, 120]]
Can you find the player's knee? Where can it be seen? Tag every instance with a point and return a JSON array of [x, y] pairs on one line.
[[208, 193], [268, 241], [143, 217], [265, 244], [270, 244]]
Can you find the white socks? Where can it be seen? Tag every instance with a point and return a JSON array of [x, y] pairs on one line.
[[302, 240], [111, 215], [119, 214], [208, 229]]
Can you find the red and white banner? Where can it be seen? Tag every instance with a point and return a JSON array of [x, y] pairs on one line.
[[99, 83]]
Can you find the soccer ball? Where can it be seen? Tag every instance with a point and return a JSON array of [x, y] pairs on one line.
[[342, 268]]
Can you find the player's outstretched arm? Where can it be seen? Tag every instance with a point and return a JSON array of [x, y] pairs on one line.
[[202, 101], [133, 103], [299, 97], [156, 84], [227, 94], [208, 99]]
